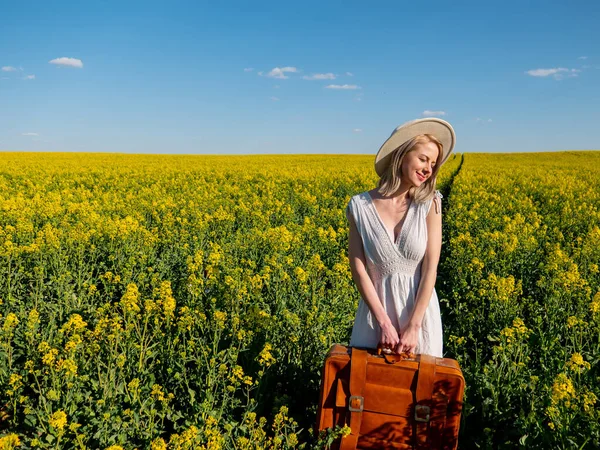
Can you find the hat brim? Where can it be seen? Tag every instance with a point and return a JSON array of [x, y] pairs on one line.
[[429, 125]]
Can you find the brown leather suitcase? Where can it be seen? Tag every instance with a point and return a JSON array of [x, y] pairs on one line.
[[402, 401]]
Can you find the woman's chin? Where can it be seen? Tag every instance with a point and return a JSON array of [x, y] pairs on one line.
[[417, 182]]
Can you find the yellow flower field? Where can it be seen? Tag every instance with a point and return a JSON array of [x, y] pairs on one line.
[[187, 302]]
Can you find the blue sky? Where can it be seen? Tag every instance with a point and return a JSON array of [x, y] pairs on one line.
[[236, 77]]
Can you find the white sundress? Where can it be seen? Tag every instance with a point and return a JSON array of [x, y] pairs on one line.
[[395, 269]]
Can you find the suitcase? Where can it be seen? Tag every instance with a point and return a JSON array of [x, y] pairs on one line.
[[395, 401]]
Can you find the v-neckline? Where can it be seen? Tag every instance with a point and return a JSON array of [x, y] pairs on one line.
[[395, 241]]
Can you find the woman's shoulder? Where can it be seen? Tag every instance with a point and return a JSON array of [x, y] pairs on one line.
[[431, 197], [435, 201], [361, 196], [357, 201], [428, 203], [427, 200]]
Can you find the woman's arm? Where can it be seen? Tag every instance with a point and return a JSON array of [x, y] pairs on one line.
[[389, 334], [429, 264], [409, 334]]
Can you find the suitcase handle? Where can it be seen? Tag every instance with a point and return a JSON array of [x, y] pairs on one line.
[[393, 358]]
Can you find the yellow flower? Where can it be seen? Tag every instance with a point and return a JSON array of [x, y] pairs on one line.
[[562, 390], [74, 324], [185, 440], [292, 440], [574, 321], [220, 318], [237, 373], [167, 299], [517, 332], [346, 430], [158, 444], [456, 339], [595, 305], [15, 380], [73, 343], [121, 359], [9, 441], [58, 420], [577, 363], [265, 357], [186, 320], [69, 366], [301, 274], [157, 392], [133, 384], [130, 299], [33, 319], [10, 323], [49, 357], [589, 400]]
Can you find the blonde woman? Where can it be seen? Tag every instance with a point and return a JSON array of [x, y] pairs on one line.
[[395, 242]]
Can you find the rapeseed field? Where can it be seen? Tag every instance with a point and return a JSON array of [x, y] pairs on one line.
[[187, 302]]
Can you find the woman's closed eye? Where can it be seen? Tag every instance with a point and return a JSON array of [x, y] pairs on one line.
[[424, 160]]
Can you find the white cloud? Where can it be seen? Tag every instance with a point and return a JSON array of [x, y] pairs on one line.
[[558, 73], [429, 113], [350, 74], [479, 119], [357, 130], [9, 69], [342, 86], [320, 76], [67, 62], [276, 86], [582, 57], [248, 69], [29, 77], [275, 99], [30, 134], [279, 72], [546, 72]]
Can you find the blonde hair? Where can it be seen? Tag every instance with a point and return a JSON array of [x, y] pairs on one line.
[[390, 181]]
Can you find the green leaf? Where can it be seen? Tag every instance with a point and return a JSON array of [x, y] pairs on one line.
[[522, 439], [30, 420]]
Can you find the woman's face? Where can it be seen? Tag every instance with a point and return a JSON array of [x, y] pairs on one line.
[[418, 164]]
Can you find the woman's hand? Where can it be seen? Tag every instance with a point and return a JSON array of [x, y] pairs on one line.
[[389, 336], [409, 338]]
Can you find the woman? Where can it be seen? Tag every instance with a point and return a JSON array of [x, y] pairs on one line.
[[395, 242]]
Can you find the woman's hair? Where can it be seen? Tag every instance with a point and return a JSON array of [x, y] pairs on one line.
[[390, 181]]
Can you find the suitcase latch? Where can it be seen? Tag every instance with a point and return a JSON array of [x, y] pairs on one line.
[[356, 403], [422, 413]]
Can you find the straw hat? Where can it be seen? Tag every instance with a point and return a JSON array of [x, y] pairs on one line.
[[429, 125]]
